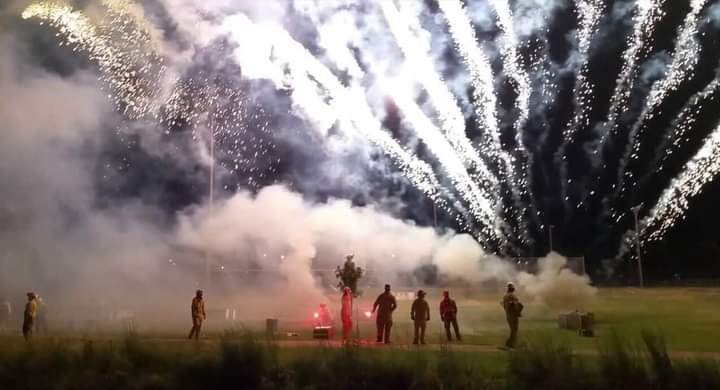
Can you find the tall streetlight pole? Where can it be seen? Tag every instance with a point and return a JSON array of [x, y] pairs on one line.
[[636, 212], [211, 196], [550, 236], [435, 214]]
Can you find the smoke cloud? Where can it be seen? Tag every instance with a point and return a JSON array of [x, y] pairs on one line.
[[62, 237], [555, 285]]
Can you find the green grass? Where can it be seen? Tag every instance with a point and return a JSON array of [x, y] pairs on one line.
[[653, 338], [244, 363], [689, 318]]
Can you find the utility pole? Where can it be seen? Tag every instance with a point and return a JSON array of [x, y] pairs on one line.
[[636, 212]]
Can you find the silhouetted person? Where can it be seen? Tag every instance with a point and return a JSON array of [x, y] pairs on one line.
[[29, 316], [346, 313], [448, 315], [385, 304], [197, 310], [420, 314], [513, 309]]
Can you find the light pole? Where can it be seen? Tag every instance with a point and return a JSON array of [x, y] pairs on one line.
[[550, 236], [636, 212], [435, 214], [211, 196]]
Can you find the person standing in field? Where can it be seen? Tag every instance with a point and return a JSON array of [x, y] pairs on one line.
[[513, 311], [197, 310], [29, 316], [448, 315], [420, 314], [346, 313], [385, 304]]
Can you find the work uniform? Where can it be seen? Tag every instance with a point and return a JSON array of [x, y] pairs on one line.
[[197, 310], [29, 318], [510, 304], [346, 316], [385, 305], [448, 315], [420, 314]]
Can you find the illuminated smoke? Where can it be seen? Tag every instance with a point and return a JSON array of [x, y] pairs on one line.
[[347, 103], [417, 53], [481, 75], [335, 88], [482, 207]]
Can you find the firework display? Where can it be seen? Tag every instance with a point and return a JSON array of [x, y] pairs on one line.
[[476, 124]]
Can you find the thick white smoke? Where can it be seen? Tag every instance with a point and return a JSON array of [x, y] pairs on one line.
[[555, 285], [461, 257], [292, 238]]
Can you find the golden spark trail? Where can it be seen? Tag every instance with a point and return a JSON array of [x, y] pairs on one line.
[[130, 80], [675, 200], [478, 65], [647, 14], [417, 52], [684, 60]]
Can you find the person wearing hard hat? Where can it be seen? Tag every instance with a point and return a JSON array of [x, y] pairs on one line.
[[346, 313], [29, 316], [420, 315], [448, 315], [513, 312], [385, 304], [197, 311]]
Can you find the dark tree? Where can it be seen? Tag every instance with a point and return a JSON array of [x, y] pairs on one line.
[[349, 274]]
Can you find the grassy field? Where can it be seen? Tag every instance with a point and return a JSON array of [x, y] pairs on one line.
[[645, 339], [689, 318]]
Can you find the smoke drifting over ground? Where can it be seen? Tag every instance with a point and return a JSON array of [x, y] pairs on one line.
[[555, 285]]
